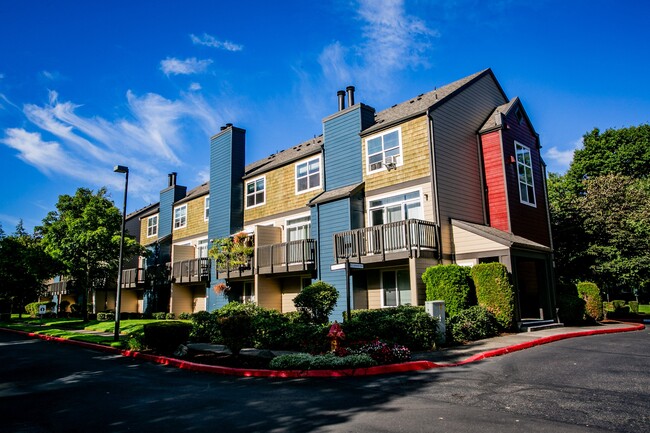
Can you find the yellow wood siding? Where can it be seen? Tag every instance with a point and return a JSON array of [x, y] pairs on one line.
[[268, 293], [182, 252], [129, 301], [281, 192], [415, 157], [374, 289], [187, 298], [196, 223], [144, 240], [290, 289]]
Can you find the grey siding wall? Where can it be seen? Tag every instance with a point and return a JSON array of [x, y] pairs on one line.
[[458, 168], [168, 196]]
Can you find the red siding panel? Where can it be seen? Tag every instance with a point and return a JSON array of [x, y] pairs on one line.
[[497, 202]]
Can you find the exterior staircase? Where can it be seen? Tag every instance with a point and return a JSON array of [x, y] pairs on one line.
[[532, 325]]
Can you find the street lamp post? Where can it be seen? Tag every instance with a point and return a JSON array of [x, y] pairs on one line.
[[118, 297]]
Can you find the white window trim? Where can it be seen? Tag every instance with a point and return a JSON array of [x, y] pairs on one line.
[[521, 200], [206, 207], [400, 158], [391, 194], [185, 224], [154, 234], [293, 217], [320, 174], [246, 192]]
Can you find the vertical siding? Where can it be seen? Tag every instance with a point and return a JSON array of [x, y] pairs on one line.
[[227, 156], [332, 217], [497, 203], [458, 171], [526, 221]]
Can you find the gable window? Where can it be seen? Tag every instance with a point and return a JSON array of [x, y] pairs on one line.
[[384, 150], [255, 192], [206, 209], [308, 175], [152, 226], [395, 208], [180, 217], [525, 174]]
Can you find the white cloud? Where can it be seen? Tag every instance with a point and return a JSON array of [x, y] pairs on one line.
[[211, 41], [195, 86], [2, 76], [560, 159], [173, 66]]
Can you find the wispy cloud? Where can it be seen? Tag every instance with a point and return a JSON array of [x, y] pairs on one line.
[[210, 41], [195, 86], [51, 75], [560, 159], [173, 66]]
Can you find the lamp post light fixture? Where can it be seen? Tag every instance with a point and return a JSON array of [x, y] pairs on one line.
[[118, 297]]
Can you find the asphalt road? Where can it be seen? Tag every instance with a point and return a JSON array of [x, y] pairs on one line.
[[587, 384]]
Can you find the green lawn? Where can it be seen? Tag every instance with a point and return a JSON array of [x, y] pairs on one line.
[[644, 308]]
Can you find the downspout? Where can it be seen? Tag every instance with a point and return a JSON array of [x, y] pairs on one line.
[[434, 180]]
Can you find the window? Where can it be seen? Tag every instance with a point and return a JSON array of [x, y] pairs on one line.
[[206, 209], [525, 173], [180, 217], [202, 249], [308, 175], [248, 293], [396, 288], [152, 226], [395, 208], [298, 228], [255, 195], [382, 149]]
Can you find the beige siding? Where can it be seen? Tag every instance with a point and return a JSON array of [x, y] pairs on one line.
[[196, 223], [129, 301], [374, 289], [280, 193], [415, 157], [181, 299], [182, 252], [466, 242], [268, 293], [360, 299], [290, 289], [265, 235], [458, 170], [417, 267]]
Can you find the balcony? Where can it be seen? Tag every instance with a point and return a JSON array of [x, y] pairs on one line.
[[61, 287], [191, 271], [133, 278], [294, 256], [235, 271], [392, 241]]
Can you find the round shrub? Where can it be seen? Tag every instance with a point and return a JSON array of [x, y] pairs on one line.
[[293, 361], [165, 337], [106, 316], [317, 301], [495, 292], [571, 308], [236, 331], [184, 316], [474, 323], [590, 293], [205, 328], [450, 283]]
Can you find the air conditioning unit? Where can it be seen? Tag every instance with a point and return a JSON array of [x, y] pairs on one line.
[[391, 162], [376, 165]]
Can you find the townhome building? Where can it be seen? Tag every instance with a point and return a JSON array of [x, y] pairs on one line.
[[454, 175]]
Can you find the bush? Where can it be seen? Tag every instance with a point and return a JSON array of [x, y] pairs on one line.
[[329, 361], [495, 292], [618, 305], [159, 315], [63, 306], [382, 352], [317, 301], [474, 323], [106, 316], [450, 283], [590, 293], [571, 308], [170, 316], [408, 325], [184, 316], [205, 328], [165, 337], [293, 361], [236, 331], [634, 306]]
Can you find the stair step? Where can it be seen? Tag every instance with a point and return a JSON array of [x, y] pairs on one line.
[[533, 328]]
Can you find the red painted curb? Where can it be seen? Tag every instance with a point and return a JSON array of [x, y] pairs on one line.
[[292, 374]]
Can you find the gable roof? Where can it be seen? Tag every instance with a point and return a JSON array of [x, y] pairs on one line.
[[299, 151], [335, 194], [421, 103], [200, 190]]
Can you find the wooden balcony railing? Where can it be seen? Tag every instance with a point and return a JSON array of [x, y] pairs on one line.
[[191, 271], [60, 287], [290, 256], [390, 241], [133, 278]]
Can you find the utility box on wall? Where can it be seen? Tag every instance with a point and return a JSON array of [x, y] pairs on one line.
[[437, 309]]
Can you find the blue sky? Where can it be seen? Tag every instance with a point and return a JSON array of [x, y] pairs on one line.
[[88, 85]]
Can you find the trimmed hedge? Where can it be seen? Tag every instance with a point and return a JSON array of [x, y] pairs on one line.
[[450, 283], [590, 293], [317, 301], [408, 325], [329, 361], [571, 308], [634, 306], [474, 323], [106, 316], [165, 337], [495, 292]]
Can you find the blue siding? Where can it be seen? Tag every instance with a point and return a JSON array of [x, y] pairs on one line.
[[342, 149], [227, 156], [332, 218]]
